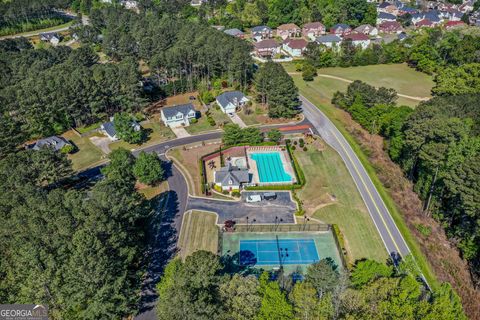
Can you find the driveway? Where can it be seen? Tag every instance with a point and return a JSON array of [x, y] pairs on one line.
[[280, 210], [102, 143], [236, 119], [180, 132]]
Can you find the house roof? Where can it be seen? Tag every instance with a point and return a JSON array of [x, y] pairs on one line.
[[386, 16], [357, 37], [231, 173], [296, 43], [233, 32], [384, 5], [288, 26], [260, 29], [340, 25], [229, 97], [49, 35], [266, 44], [432, 16], [328, 38], [395, 25], [174, 110], [402, 36], [451, 24], [363, 28], [424, 23], [313, 25], [109, 128], [55, 142]]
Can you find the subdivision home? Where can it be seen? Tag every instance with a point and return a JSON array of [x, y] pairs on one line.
[[267, 48], [390, 27], [235, 33], [382, 17], [366, 29], [289, 30], [358, 39], [260, 33], [108, 128], [295, 47], [178, 115], [340, 29], [52, 37], [312, 30], [329, 40], [230, 101], [55, 142]]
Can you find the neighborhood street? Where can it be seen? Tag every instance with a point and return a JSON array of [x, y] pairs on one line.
[[391, 236]]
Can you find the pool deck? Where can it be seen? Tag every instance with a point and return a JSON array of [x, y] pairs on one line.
[[284, 157]]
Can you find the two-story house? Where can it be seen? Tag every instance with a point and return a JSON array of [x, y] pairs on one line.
[[230, 101], [312, 30], [260, 33], [289, 30]]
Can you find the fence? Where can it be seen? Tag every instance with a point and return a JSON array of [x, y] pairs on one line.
[[281, 227]]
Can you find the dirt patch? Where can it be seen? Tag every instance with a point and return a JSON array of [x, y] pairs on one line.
[[440, 252], [102, 143]]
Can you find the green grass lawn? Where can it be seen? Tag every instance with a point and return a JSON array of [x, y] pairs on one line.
[[157, 133], [35, 32], [400, 77], [203, 125], [199, 232], [152, 191], [333, 197], [314, 93], [87, 154]]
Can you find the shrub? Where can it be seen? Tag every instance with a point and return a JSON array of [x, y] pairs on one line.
[[236, 194], [67, 149], [225, 192], [295, 142], [301, 141], [211, 121], [288, 141], [423, 229], [194, 120], [305, 148], [294, 148]]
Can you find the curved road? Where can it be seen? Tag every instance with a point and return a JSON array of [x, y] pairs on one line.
[[391, 236]]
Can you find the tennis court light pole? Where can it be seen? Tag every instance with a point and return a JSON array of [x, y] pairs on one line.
[[247, 223]]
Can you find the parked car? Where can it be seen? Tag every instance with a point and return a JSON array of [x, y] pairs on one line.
[[269, 196], [254, 198]]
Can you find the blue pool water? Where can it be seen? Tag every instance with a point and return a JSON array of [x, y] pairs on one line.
[[270, 167], [271, 252]]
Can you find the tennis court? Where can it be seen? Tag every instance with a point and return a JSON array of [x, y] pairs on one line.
[[278, 252]]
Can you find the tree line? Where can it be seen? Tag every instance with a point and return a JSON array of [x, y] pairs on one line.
[[204, 287], [438, 147], [79, 251]]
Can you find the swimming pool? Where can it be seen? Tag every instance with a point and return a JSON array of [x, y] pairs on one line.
[[270, 167]]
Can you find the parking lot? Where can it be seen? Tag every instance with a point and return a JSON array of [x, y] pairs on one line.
[[280, 210]]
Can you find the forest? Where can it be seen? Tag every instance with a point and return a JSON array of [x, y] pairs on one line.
[[206, 286], [438, 147]]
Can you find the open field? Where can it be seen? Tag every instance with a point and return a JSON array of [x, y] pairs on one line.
[[331, 196], [400, 77], [157, 132], [199, 232], [314, 93], [87, 154]]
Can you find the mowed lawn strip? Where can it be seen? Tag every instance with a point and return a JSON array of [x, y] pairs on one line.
[[87, 154], [199, 232], [400, 77], [311, 92], [330, 190]]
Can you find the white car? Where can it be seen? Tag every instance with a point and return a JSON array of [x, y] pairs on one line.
[[254, 198]]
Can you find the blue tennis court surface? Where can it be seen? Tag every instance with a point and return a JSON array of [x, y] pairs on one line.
[[270, 167], [269, 252]]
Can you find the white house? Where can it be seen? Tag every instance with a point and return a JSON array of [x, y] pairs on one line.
[[108, 128], [366, 29], [231, 100], [231, 178], [179, 115], [267, 48], [295, 47], [329, 40], [52, 37], [383, 16], [359, 39]]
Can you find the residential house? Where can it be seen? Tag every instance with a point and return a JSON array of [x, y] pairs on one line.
[[451, 15], [235, 33], [466, 7], [366, 29], [433, 16], [52, 37], [474, 18], [382, 17], [178, 115], [267, 48], [260, 33], [358, 39], [406, 10], [129, 4], [329, 40], [390, 27], [230, 101], [454, 24], [312, 30], [231, 177], [424, 23], [55, 142], [108, 128], [387, 7], [340, 29], [402, 36], [295, 47], [289, 30]]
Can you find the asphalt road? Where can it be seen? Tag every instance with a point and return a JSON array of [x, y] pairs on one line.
[[280, 210], [391, 236]]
